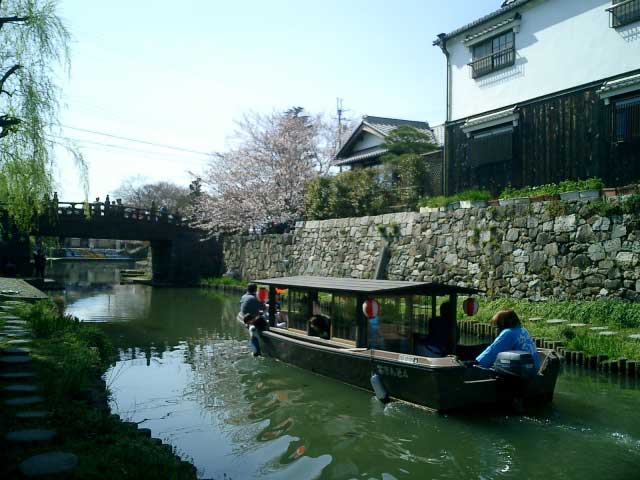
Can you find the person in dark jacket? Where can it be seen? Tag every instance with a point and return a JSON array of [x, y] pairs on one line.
[[40, 263], [251, 308]]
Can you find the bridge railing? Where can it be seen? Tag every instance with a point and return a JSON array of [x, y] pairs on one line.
[[114, 210]]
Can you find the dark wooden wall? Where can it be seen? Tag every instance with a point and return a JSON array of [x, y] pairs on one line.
[[558, 138]]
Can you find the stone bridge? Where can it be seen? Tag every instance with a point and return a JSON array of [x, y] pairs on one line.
[[180, 254]]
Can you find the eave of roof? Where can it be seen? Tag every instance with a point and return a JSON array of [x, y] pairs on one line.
[[354, 285], [368, 155], [480, 21]]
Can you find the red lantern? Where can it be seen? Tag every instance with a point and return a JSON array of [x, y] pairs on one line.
[[470, 306], [371, 308], [262, 294]]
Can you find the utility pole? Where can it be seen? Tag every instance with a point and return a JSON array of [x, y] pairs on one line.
[[340, 112]]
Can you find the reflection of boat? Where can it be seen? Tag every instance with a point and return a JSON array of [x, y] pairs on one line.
[[407, 320]]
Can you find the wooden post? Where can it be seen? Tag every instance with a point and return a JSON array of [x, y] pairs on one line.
[[601, 360], [272, 306], [453, 314], [622, 366], [362, 323]]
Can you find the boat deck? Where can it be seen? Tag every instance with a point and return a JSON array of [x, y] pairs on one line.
[[375, 354]]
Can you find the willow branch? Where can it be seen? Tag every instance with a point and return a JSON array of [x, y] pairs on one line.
[[6, 76], [6, 122]]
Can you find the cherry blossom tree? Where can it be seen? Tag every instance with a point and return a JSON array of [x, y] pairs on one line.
[[260, 180]]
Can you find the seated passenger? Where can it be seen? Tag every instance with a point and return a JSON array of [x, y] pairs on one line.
[[440, 341], [320, 326], [512, 336]]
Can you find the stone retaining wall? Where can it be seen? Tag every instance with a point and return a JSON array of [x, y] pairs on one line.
[[534, 251]]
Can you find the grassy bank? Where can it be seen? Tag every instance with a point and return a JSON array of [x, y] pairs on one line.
[[617, 316], [226, 281], [69, 358]]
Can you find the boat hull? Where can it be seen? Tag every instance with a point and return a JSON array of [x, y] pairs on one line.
[[439, 387]]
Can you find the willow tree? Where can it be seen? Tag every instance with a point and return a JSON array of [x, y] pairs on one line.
[[33, 45]]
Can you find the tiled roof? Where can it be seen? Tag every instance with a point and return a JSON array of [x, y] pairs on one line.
[[620, 83], [492, 119], [507, 6], [386, 125], [492, 28], [381, 126]]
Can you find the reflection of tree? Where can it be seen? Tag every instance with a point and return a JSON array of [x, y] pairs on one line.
[[175, 316]]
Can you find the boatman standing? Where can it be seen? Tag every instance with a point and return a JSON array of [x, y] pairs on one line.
[[251, 307]]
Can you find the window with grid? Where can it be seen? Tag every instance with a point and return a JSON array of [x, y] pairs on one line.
[[491, 155], [298, 314], [343, 317], [494, 54], [624, 12], [627, 120]]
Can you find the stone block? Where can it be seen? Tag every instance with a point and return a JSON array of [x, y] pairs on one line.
[[601, 224], [626, 259], [565, 224], [585, 234]]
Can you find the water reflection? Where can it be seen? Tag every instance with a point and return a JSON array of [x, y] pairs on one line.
[[186, 372], [84, 274]]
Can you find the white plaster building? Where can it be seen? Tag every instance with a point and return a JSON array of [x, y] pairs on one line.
[[541, 91]]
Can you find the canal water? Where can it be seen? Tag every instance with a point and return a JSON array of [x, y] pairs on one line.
[[185, 371]]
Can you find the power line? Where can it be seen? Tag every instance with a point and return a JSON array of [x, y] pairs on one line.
[[146, 153], [145, 142]]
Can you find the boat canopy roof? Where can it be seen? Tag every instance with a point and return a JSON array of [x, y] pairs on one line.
[[369, 287]]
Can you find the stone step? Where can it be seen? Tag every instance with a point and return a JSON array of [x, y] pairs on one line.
[[30, 435], [15, 351], [32, 414], [22, 401], [7, 308], [556, 321], [23, 341], [635, 336], [6, 318], [7, 328], [17, 375], [15, 359], [14, 302], [21, 323], [16, 334], [51, 463], [21, 388]]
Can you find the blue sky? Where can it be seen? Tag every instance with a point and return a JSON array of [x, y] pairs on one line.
[[179, 73]]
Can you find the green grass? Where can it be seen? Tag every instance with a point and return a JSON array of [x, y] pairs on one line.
[[618, 315], [222, 281]]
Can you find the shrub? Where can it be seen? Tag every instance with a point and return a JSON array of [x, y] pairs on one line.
[[473, 194], [553, 188], [44, 320]]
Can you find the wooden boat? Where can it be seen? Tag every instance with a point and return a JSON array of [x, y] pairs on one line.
[[407, 314]]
